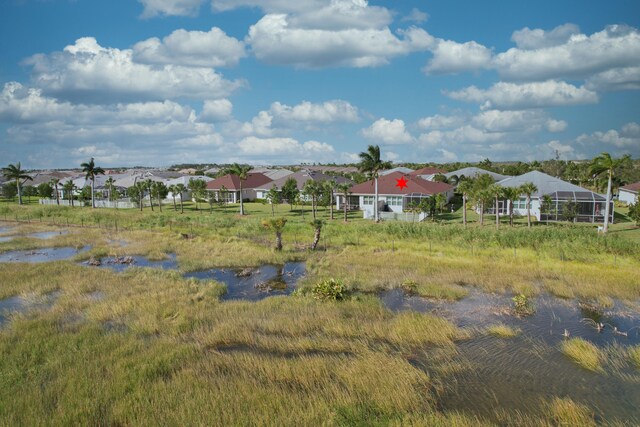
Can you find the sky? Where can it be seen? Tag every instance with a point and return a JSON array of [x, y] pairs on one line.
[[268, 82]]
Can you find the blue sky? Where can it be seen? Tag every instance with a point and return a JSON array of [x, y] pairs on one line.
[[158, 82]]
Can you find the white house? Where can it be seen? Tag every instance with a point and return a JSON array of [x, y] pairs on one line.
[[591, 206], [629, 193]]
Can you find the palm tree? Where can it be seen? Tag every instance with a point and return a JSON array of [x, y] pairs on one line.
[[241, 172], [511, 194], [55, 182], [277, 225], [180, 188], [371, 164], [142, 188], [273, 196], [109, 184], [528, 188], [91, 170], [69, 188], [149, 187], [172, 189], [344, 189], [330, 187], [15, 172], [465, 188], [605, 163], [496, 192], [312, 188], [317, 226], [159, 190]]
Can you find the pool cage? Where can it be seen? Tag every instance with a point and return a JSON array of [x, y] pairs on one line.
[[590, 207], [409, 200]]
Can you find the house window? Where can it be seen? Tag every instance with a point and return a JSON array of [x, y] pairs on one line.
[[367, 200], [520, 203], [394, 200]]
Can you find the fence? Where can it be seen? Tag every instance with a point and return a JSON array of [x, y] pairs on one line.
[[396, 216], [117, 204]]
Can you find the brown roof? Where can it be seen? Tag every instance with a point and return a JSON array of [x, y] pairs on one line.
[[232, 182], [634, 188], [427, 171], [387, 185]]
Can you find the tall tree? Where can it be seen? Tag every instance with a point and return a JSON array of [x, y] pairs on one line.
[[330, 188], [290, 191], [172, 189], [198, 189], [496, 192], [481, 193], [277, 225], [142, 189], [344, 189], [90, 172], [15, 173], [180, 188], [312, 189], [54, 182], [241, 172], [160, 191], [464, 188], [371, 164], [604, 163], [528, 188], [273, 196], [510, 195], [110, 188], [69, 187], [149, 184]]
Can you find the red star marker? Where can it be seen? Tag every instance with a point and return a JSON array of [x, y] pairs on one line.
[[401, 183]]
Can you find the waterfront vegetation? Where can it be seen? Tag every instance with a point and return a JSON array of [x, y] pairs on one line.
[[151, 347]]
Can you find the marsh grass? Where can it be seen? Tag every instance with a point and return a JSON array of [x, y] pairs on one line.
[[583, 353], [634, 356], [566, 412], [503, 331]]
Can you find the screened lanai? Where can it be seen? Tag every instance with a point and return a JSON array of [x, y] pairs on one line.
[[590, 206]]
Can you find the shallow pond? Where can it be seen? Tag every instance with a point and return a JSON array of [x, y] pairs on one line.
[[122, 263], [21, 304], [42, 254], [255, 283], [519, 373]]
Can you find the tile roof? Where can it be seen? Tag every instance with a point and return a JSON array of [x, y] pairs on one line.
[[427, 171], [633, 188], [387, 184], [232, 182], [473, 172], [302, 177]]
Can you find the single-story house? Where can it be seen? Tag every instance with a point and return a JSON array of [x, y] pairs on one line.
[[274, 174], [591, 206], [301, 178], [400, 169], [231, 184], [473, 172], [629, 193], [392, 198], [184, 180], [427, 173]]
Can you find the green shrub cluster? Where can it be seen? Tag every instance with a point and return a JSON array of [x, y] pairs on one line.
[[330, 290]]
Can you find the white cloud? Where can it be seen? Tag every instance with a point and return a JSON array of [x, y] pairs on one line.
[[388, 131], [327, 112], [627, 78], [216, 110], [191, 48], [617, 46], [564, 150], [88, 72], [527, 95], [275, 41], [556, 125], [278, 149], [440, 122], [539, 38], [627, 139], [510, 121], [417, 16], [450, 57], [170, 7]]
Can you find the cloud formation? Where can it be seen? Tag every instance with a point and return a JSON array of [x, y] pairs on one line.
[[389, 132]]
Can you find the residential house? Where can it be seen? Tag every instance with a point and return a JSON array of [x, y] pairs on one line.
[[629, 193], [273, 173], [590, 205], [473, 172], [231, 183], [427, 173], [392, 198], [400, 169], [184, 180], [301, 178]]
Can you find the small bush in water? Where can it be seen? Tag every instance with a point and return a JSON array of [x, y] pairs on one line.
[[330, 289], [523, 305]]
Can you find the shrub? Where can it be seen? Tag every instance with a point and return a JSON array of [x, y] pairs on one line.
[[523, 305], [634, 212], [330, 289]]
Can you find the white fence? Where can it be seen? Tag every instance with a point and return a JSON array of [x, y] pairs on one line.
[[396, 216], [117, 204]]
